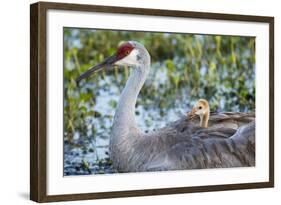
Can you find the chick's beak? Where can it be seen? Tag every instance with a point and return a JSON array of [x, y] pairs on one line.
[[192, 113]]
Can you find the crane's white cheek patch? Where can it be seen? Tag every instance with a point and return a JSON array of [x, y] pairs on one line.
[[130, 59]]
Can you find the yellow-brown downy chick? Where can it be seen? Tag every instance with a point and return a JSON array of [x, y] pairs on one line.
[[201, 109]]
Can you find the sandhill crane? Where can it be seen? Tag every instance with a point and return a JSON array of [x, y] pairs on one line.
[[229, 140]]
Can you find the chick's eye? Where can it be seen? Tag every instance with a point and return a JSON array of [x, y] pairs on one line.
[[200, 107], [127, 53]]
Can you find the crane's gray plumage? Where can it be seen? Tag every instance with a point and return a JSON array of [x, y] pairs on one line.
[[229, 140]]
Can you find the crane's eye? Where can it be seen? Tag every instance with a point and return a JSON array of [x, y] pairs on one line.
[[127, 53], [200, 107]]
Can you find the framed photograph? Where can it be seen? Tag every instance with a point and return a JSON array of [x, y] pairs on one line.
[[134, 102]]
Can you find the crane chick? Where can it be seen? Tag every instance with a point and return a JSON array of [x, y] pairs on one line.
[[201, 109]]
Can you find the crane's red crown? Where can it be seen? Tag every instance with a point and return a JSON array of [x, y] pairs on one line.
[[124, 50]]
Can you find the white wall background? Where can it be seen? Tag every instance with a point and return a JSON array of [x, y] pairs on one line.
[[14, 102]]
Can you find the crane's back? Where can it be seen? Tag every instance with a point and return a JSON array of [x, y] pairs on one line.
[[229, 141]]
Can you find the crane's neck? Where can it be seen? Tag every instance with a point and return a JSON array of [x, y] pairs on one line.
[[124, 120]]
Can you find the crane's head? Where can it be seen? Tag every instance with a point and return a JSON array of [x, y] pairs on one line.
[[130, 53]]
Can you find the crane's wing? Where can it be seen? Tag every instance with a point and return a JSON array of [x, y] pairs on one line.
[[229, 141]]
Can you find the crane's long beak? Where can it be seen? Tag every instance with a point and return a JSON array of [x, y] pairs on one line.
[[106, 63]]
